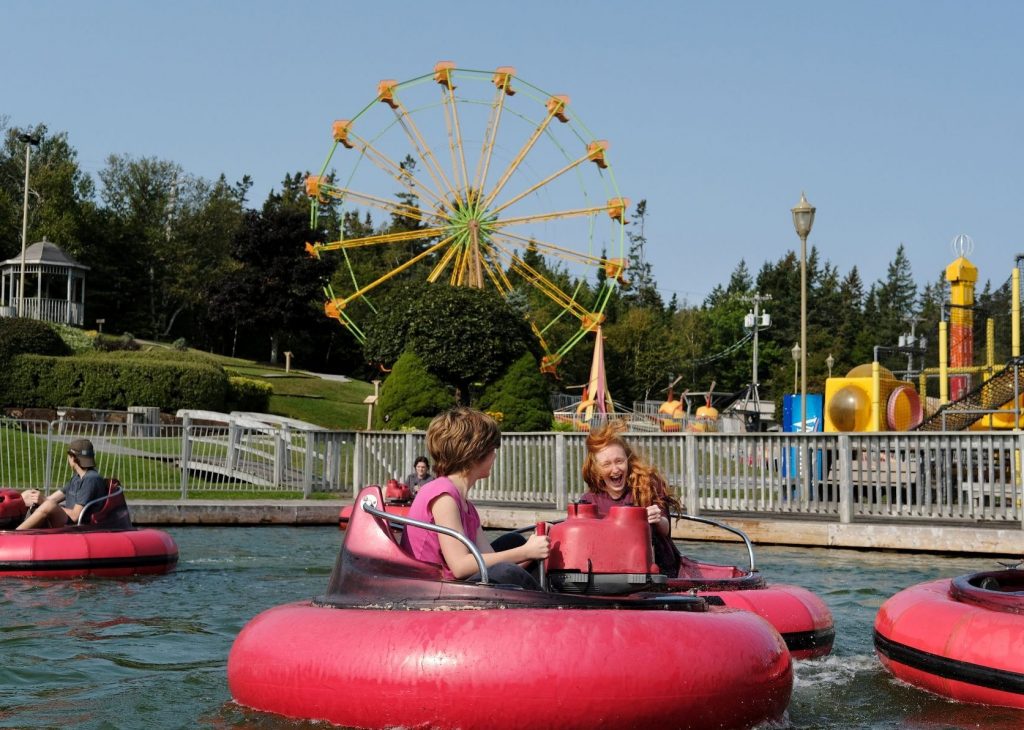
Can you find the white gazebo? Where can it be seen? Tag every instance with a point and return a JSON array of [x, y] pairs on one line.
[[54, 285]]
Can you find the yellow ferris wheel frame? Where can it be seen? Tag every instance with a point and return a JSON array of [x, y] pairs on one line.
[[470, 231]]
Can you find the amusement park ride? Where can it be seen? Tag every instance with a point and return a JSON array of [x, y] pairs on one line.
[[488, 166], [871, 398], [494, 172]]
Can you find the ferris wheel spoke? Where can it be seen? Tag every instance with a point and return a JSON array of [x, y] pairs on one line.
[[496, 275], [395, 271], [540, 217], [383, 238], [408, 125], [441, 265], [537, 186], [499, 271], [542, 284], [502, 81], [456, 273], [443, 76], [561, 252], [554, 110], [403, 210], [404, 177], [333, 310]]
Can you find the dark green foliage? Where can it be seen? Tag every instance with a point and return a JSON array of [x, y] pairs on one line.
[[411, 396], [159, 353], [28, 336], [77, 340], [109, 343], [96, 381], [247, 394], [462, 335], [521, 396]]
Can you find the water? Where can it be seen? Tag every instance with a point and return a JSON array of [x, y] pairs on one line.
[[152, 652]]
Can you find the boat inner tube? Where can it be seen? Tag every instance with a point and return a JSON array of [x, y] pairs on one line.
[[999, 590]]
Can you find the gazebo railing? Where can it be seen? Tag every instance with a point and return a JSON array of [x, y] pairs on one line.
[[53, 310]]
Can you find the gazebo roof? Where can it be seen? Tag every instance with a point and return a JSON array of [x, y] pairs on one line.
[[46, 253]]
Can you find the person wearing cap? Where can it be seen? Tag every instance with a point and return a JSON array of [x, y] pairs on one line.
[[65, 505]]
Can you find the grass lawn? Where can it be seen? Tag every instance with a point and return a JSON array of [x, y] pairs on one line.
[[327, 403]]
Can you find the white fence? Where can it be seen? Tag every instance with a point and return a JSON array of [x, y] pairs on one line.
[[947, 477], [181, 459]]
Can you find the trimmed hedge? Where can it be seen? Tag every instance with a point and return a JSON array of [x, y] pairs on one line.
[[520, 395], [24, 336], [411, 396], [104, 382], [248, 394], [159, 353], [109, 343]]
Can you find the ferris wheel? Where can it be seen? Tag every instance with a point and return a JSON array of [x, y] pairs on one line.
[[487, 182]]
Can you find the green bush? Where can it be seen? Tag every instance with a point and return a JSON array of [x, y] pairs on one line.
[[28, 336], [96, 381], [520, 396], [161, 353], [109, 343], [411, 396], [248, 394], [77, 340]]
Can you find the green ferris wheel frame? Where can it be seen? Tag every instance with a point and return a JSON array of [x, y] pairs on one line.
[[470, 233]]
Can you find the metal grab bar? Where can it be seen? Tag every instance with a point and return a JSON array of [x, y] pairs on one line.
[[104, 498], [369, 505], [727, 528]]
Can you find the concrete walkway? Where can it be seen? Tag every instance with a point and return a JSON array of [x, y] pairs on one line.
[[1007, 542]]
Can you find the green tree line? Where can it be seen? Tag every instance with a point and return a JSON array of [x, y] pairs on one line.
[[172, 255]]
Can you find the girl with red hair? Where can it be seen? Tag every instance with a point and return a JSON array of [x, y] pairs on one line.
[[617, 476]]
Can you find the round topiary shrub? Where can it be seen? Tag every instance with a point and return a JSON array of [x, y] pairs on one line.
[[520, 396], [411, 396], [20, 336]]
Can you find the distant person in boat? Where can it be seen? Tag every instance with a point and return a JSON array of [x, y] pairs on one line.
[[420, 476], [617, 476], [462, 443], [65, 505]]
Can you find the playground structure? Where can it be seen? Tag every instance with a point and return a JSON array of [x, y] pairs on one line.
[[870, 398], [478, 212]]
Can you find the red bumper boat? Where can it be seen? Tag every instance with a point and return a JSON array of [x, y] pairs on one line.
[[391, 644], [397, 500], [802, 618], [104, 543], [961, 638]]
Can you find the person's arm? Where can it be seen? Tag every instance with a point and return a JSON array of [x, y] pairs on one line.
[[74, 512], [457, 557], [659, 520], [656, 515]]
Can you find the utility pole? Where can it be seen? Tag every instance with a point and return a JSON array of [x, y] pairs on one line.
[[30, 141], [756, 320]]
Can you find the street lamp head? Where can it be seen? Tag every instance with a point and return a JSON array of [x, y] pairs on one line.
[[29, 139], [803, 217], [796, 352]]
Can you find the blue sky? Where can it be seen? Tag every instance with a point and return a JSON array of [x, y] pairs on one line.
[[902, 121]]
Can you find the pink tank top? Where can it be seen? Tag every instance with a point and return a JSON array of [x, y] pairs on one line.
[[424, 544]]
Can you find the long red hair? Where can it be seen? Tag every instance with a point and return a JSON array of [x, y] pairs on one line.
[[646, 484]]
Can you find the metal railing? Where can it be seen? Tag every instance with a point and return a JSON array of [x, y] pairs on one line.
[[868, 477], [181, 459]]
